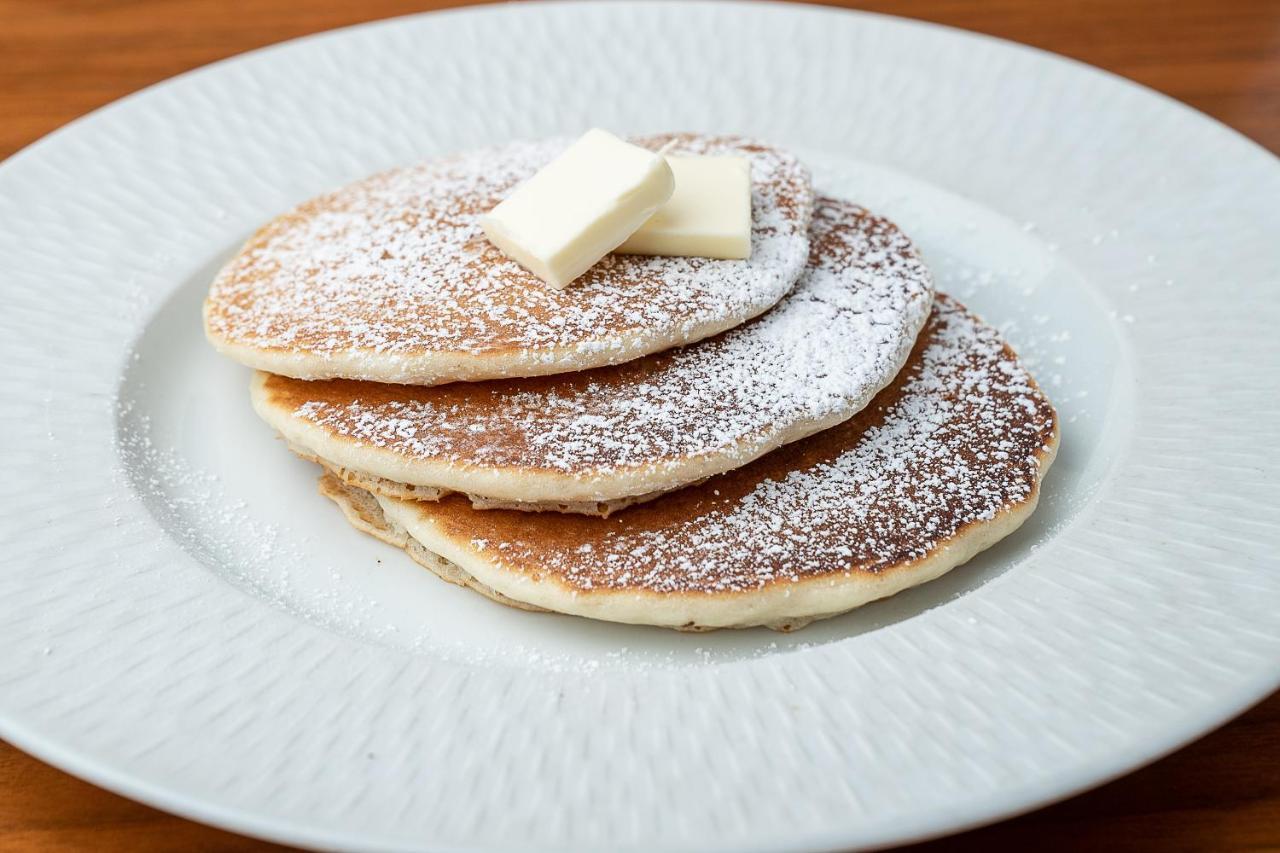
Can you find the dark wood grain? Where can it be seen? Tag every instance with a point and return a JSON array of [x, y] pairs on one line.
[[61, 58]]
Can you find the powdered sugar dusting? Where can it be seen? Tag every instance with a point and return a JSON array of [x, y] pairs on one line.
[[819, 356], [387, 277], [958, 438]]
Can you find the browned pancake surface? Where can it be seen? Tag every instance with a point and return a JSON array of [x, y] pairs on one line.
[[961, 436]]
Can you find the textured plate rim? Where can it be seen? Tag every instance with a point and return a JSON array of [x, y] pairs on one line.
[[1168, 738], [997, 808]]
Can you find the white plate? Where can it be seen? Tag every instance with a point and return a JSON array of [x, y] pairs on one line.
[[187, 622]]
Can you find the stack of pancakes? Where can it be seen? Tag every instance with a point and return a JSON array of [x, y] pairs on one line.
[[682, 442]]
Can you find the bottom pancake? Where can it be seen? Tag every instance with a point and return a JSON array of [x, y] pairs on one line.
[[946, 461], [365, 514]]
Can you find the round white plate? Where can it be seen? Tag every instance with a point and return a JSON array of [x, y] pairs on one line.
[[185, 620]]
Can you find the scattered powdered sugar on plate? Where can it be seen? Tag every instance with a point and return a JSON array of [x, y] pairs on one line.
[[960, 437], [1037, 330], [223, 533], [816, 358], [395, 268]]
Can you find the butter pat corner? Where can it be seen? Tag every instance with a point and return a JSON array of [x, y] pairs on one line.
[[579, 207]]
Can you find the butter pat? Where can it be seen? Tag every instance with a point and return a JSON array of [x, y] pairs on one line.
[[579, 207], [708, 216]]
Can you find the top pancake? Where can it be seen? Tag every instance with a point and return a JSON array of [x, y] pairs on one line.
[[391, 280], [649, 425]]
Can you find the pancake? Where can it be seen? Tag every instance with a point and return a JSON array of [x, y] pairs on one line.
[[593, 441], [392, 489], [945, 462], [391, 280]]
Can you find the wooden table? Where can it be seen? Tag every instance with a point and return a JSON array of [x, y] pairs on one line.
[[62, 58]]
